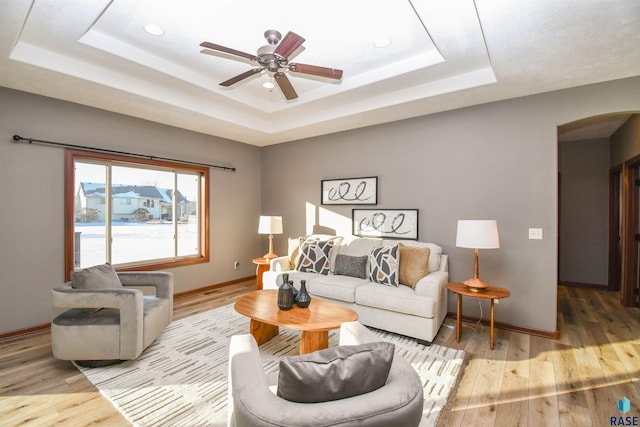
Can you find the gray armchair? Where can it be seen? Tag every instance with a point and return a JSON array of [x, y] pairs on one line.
[[109, 325], [252, 401]]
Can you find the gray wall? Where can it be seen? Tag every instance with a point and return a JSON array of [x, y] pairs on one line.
[[584, 211], [625, 142], [494, 161], [31, 197]]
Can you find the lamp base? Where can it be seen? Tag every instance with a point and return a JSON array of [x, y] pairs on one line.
[[270, 255], [476, 285]]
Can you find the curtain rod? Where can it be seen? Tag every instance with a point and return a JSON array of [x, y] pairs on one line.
[[18, 138]]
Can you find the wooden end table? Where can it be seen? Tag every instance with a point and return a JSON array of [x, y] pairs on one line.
[[262, 266], [315, 322], [492, 293]]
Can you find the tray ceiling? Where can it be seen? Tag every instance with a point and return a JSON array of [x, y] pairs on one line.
[[439, 56]]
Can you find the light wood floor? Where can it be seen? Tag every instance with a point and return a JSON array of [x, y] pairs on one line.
[[525, 381]]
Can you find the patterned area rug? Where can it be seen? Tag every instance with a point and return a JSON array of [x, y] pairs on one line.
[[181, 379]]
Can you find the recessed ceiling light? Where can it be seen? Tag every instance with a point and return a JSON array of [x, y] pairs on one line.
[[382, 42], [154, 29]]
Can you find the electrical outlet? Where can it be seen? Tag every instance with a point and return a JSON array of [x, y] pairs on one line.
[[236, 265], [496, 300], [535, 233]]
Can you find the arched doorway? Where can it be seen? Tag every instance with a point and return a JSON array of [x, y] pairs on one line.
[[599, 165]]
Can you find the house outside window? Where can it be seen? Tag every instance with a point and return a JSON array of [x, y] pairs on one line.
[[134, 213]]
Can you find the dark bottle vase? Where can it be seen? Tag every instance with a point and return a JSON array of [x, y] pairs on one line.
[[285, 296], [285, 279], [303, 299]]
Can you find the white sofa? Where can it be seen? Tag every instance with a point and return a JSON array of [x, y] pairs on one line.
[[416, 313]]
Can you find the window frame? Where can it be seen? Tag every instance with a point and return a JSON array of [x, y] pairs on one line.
[[71, 155]]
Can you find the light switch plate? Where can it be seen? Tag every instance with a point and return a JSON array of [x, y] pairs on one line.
[[535, 233]]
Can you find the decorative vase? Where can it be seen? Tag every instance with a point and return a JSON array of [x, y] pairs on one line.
[[303, 299], [285, 279], [285, 296]]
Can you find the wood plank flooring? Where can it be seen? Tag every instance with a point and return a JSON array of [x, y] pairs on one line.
[[576, 380], [525, 381]]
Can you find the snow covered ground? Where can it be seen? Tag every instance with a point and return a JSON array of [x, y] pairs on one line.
[[135, 242]]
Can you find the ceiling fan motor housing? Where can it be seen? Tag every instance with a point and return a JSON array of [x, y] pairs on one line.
[[270, 60]]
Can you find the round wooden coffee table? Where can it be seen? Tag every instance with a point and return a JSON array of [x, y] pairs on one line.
[[315, 322]]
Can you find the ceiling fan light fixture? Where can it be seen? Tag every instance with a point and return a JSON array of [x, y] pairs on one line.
[[382, 42], [268, 85], [154, 29]]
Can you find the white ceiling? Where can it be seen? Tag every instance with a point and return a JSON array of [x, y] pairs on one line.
[[443, 55]]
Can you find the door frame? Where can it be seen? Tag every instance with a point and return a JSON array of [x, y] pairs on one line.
[[615, 230], [630, 209]]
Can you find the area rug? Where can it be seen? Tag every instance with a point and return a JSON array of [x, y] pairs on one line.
[[181, 379]]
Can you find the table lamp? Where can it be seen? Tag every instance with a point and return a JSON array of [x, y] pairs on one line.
[[477, 234], [270, 225]]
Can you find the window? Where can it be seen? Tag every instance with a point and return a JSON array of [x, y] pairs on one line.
[[134, 213]]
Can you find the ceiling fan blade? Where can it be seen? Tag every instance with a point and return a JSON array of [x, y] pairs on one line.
[[331, 73], [289, 44], [285, 86], [240, 77], [228, 50]]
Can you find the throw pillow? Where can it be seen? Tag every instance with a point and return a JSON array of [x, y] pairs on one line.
[[414, 264], [354, 266], [97, 277], [384, 265], [293, 250], [315, 257], [335, 373]]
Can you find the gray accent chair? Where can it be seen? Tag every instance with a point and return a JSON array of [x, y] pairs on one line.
[[105, 326], [252, 400]]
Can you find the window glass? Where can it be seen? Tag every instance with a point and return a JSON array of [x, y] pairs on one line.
[[135, 214]]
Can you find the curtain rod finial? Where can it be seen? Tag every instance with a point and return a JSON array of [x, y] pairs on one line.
[[17, 138]]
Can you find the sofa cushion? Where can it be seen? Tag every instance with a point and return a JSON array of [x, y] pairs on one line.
[[402, 299], [360, 246], [97, 277], [354, 266], [414, 264], [341, 288], [435, 251], [335, 373], [383, 265]]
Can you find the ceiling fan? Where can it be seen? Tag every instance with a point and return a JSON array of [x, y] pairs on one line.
[[274, 57]]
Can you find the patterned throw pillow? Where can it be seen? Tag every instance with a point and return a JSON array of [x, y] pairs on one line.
[[384, 265], [314, 257]]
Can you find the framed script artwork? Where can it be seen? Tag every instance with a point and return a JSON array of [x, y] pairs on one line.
[[350, 191], [390, 223]]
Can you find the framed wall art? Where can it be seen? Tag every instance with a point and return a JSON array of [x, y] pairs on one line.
[[389, 223], [350, 191]]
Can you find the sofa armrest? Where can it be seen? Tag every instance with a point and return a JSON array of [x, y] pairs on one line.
[[432, 284], [161, 280], [123, 299], [130, 303], [280, 264]]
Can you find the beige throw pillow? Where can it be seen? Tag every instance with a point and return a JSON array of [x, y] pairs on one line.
[[414, 264]]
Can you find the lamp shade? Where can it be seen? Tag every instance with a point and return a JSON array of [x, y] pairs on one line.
[[270, 225], [478, 234]]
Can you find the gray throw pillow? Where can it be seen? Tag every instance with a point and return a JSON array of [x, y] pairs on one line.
[[335, 373], [354, 266], [97, 277]]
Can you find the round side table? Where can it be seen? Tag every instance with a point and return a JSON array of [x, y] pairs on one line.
[[492, 293], [262, 266]]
